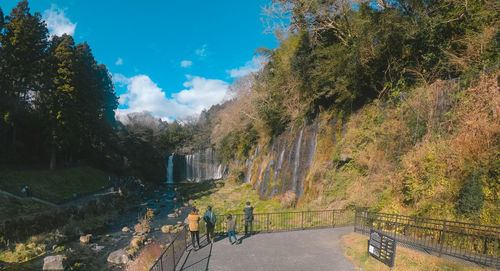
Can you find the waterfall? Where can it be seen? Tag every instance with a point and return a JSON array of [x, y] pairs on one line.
[[297, 160], [284, 164], [249, 165], [170, 169], [203, 165]]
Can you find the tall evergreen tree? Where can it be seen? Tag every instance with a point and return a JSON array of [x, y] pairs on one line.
[[24, 41], [96, 100], [59, 100], [1, 20]]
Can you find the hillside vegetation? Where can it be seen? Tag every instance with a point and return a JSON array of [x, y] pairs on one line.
[[54, 186], [445, 164], [405, 97]]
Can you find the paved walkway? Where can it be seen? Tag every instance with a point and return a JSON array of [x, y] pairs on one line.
[[283, 251], [3, 192]]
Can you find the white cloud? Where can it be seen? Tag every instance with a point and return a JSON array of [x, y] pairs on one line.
[[202, 51], [119, 61], [144, 95], [57, 22], [251, 66], [201, 93], [186, 63]]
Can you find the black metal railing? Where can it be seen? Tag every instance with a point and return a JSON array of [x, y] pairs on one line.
[[172, 253], [286, 221], [471, 242]]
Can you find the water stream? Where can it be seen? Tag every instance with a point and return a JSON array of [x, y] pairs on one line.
[[170, 169]]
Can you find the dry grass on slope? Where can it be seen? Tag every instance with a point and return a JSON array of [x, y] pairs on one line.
[[435, 169], [414, 155]]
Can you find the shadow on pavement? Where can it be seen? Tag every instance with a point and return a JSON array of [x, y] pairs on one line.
[[200, 259], [240, 239]]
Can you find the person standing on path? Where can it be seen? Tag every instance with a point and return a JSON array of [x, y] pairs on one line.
[[231, 227], [194, 227], [248, 217], [210, 219]]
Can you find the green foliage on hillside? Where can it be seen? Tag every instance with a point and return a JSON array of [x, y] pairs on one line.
[[448, 170], [405, 93], [237, 144], [12, 207], [471, 197], [54, 185], [341, 56], [337, 57]]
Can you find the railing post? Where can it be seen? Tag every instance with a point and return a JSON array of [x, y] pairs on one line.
[[161, 262], [173, 253], [396, 227], [355, 219], [302, 220], [267, 222], [333, 218], [443, 236]]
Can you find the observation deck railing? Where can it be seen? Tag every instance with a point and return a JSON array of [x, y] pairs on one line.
[[467, 241]]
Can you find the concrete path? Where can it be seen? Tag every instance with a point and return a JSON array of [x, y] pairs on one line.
[[3, 192], [283, 251]]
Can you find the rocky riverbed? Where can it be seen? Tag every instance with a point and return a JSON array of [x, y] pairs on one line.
[[112, 248]]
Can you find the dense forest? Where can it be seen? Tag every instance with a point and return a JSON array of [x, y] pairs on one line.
[[57, 106], [57, 102]]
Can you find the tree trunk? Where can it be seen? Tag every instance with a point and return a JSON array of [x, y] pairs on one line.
[[14, 136], [53, 156]]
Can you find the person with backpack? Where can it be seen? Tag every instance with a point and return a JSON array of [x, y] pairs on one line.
[[210, 219], [194, 227], [231, 227], [248, 210]]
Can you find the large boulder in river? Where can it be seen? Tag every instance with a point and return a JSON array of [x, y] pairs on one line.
[[167, 228], [142, 228], [53, 263], [125, 229], [85, 239], [137, 241], [172, 215], [191, 202], [118, 257]]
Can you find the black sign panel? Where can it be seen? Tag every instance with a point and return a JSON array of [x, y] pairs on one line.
[[382, 247]]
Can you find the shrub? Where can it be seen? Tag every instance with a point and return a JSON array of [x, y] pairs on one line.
[[237, 175], [289, 199], [471, 197]]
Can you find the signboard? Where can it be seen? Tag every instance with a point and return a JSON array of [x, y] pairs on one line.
[[382, 247]]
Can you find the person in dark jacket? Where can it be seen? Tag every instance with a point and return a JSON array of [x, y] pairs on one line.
[[210, 219], [231, 227], [248, 217]]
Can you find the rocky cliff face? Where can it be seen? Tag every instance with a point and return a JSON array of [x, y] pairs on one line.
[[283, 165]]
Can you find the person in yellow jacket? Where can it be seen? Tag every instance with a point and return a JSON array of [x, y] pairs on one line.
[[194, 227]]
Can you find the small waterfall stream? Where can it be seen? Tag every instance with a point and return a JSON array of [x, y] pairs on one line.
[[170, 169], [297, 160], [284, 164]]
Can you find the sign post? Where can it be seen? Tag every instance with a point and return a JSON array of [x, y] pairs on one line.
[[382, 247]]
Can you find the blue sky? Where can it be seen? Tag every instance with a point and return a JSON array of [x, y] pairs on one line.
[[172, 58]]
